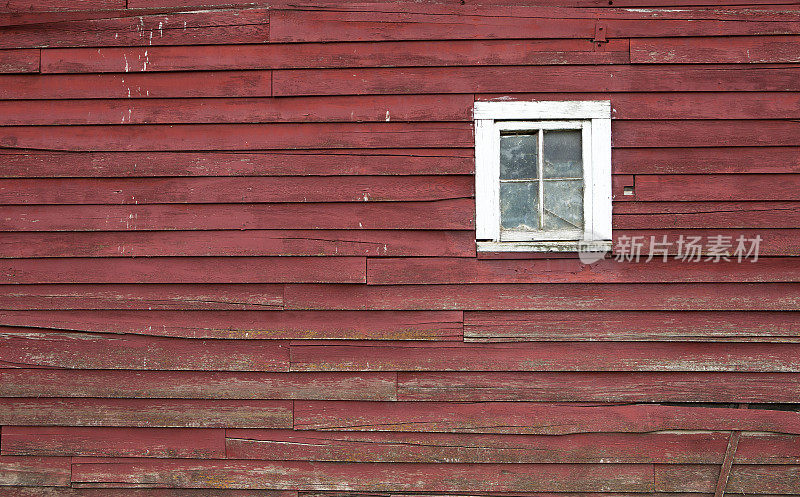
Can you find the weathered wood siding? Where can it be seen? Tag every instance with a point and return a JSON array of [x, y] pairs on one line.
[[238, 253]]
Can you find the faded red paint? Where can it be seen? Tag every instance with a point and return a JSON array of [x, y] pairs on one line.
[[238, 253]]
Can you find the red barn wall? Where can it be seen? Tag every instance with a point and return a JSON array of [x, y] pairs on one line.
[[238, 252]]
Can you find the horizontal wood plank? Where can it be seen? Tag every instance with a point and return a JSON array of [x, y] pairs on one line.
[[373, 243], [641, 296], [665, 215], [710, 50], [456, 214], [144, 491], [234, 190], [284, 325], [147, 413], [547, 22], [394, 162], [26, 347], [598, 387], [16, 6], [312, 55], [180, 270], [717, 326], [123, 29], [378, 108], [432, 448], [142, 297], [489, 79], [707, 160], [370, 477], [546, 356], [709, 133], [162, 137], [533, 418], [19, 61], [744, 479], [324, 26], [114, 442], [196, 384], [439, 270], [156, 85], [679, 105], [719, 187], [35, 471]]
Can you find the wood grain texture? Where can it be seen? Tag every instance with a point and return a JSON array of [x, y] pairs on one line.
[[664, 215], [369, 477], [179, 137], [394, 162], [493, 79], [157, 85], [147, 29], [597, 387], [35, 471], [142, 297], [235, 110], [679, 105], [54, 5], [710, 133], [146, 413], [114, 442], [456, 214], [546, 356], [184, 270], [358, 54], [719, 187], [374, 243], [503, 22], [479, 448], [242, 324], [534, 418], [743, 479], [26, 347], [19, 61], [589, 297], [238, 252], [745, 49], [718, 326], [707, 160], [142, 492], [439, 270], [234, 190], [196, 385]]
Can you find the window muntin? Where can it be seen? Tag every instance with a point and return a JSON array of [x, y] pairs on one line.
[[544, 181]]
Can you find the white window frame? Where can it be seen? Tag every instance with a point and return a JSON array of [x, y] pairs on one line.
[[594, 119]]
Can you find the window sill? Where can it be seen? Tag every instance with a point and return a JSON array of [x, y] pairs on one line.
[[575, 246]]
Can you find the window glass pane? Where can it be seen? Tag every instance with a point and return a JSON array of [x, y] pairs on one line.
[[519, 205], [563, 204], [518, 156], [563, 154]]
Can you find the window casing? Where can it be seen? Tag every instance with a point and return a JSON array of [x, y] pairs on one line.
[[551, 158]]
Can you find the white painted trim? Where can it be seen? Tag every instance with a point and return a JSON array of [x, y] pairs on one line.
[[487, 180], [543, 246], [532, 125], [601, 179], [587, 109]]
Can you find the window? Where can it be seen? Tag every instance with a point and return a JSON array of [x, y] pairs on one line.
[[543, 175]]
